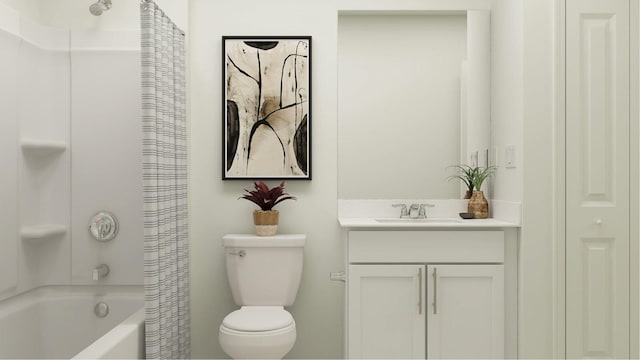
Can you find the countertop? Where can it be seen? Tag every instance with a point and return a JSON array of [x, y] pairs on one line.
[[372, 223]]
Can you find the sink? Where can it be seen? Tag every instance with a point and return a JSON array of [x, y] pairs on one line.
[[418, 221]]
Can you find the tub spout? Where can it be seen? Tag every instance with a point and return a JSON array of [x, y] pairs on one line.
[[100, 272]]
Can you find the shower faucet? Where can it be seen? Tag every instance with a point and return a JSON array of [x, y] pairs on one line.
[[100, 272]]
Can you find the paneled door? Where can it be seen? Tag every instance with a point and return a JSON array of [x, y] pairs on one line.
[[465, 311], [597, 178], [386, 312]]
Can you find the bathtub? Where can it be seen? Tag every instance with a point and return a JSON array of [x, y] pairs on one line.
[[60, 322]]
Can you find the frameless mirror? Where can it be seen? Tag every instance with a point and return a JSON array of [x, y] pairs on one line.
[[413, 99]]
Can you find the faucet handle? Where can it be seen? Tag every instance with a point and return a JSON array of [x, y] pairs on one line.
[[404, 212], [422, 212]]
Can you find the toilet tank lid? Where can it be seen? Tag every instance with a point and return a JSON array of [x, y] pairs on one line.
[[247, 240], [258, 318]]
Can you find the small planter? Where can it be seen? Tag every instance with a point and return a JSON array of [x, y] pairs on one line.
[[266, 219], [468, 194], [478, 205], [266, 222]]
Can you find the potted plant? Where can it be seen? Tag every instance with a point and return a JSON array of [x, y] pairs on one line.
[[266, 219], [478, 204], [466, 174]]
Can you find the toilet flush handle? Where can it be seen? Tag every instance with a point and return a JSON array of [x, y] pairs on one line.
[[240, 253]]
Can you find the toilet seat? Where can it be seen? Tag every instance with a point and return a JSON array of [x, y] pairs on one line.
[[258, 319], [257, 332]]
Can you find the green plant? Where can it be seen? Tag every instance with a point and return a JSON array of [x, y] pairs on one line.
[[466, 174], [266, 198], [473, 177], [481, 174]]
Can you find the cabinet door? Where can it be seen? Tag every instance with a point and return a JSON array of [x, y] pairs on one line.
[[386, 312], [465, 312]]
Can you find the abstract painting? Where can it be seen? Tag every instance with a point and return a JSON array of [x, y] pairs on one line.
[[267, 107]]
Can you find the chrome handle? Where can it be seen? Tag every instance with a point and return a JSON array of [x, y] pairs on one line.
[[422, 212], [404, 212], [240, 253], [435, 290], [420, 291]]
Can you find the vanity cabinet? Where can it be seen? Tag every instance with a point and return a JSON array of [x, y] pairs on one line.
[[425, 294]]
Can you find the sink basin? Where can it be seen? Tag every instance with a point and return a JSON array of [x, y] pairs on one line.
[[418, 221]]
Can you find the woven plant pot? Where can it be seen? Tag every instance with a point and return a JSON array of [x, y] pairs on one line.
[[467, 194], [478, 205], [266, 222]]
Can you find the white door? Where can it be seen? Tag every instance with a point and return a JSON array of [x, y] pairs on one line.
[[386, 318], [597, 178], [465, 311]]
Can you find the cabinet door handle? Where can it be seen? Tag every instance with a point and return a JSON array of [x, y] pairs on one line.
[[420, 291], [435, 290]]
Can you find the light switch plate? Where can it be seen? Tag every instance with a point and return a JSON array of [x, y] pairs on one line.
[[510, 157], [474, 158], [495, 156]]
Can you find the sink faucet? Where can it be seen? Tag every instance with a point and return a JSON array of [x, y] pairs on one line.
[[404, 213], [413, 211], [422, 213]]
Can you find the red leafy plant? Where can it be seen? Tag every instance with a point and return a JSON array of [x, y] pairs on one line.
[[266, 198]]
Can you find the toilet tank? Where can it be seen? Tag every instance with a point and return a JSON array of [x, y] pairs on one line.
[[264, 270]]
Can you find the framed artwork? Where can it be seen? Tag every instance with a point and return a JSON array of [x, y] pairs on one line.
[[267, 107]]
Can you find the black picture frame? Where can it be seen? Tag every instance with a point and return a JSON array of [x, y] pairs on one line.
[[266, 105]]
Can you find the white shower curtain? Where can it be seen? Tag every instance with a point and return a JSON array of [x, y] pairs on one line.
[[166, 255]]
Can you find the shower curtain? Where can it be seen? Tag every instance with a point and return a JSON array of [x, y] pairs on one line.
[[166, 256]]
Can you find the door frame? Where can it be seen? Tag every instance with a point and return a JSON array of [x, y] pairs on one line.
[[559, 288], [559, 285]]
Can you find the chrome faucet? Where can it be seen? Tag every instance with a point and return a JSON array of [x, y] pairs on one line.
[[422, 212], [404, 213], [413, 211], [100, 272]]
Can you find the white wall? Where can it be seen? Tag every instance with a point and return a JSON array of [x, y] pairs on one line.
[[123, 15], [537, 248], [399, 105], [523, 116], [215, 209], [27, 8], [507, 94]]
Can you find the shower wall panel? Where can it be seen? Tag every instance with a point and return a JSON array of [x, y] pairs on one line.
[[107, 152], [78, 92], [9, 43], [43, 98]]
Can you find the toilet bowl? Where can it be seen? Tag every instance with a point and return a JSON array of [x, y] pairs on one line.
[[258, 332], [264, 275]]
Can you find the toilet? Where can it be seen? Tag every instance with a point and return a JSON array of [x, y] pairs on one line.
[[264, 274]]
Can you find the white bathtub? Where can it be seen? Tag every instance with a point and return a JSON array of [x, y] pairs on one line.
[[59, 322]]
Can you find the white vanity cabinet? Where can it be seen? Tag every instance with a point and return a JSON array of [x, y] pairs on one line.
[[425, 294]]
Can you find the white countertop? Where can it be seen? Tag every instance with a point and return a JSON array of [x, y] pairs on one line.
[[372, 223], [362, 213]]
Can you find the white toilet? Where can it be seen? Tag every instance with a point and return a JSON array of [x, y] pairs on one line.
[[264, 273]]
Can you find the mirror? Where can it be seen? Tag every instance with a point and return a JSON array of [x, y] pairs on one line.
[[413, 99]]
